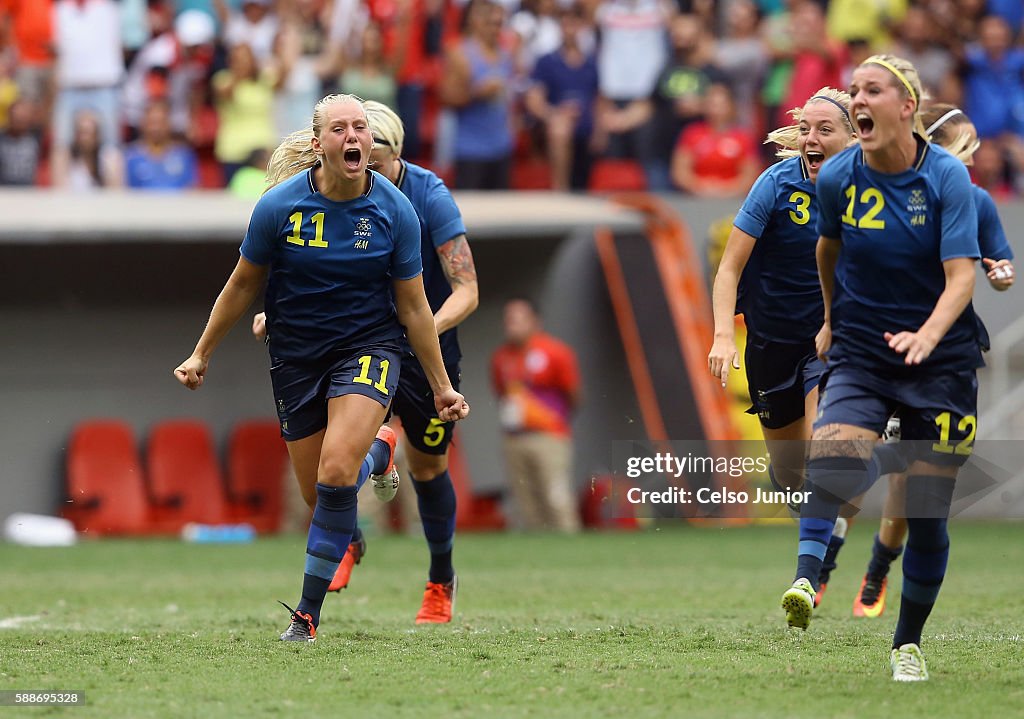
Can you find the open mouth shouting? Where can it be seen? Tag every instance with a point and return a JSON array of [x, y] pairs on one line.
[[353, 157], [865, 125], [815, 159]]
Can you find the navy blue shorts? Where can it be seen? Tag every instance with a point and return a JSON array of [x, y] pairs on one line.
[[414, 403], [938, 411], [779, 376], [301, 389]]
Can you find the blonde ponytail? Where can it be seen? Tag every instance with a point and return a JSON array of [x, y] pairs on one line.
[[294, 155], [948, 126]]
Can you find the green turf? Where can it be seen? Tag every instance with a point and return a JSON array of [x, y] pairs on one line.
[[670, 622]]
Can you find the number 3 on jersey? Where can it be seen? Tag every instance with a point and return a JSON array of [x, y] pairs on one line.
[[803, 208], [364, 373]]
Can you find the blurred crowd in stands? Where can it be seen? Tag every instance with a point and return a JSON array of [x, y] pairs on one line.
[[495, 94]]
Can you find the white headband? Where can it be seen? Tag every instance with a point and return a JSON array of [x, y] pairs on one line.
[[938, 123]]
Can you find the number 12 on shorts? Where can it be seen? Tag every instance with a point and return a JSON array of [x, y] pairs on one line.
[[382, 369], [968, 424]]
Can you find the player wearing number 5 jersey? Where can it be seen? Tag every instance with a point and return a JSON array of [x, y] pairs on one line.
[[334, 241], [896, 260]]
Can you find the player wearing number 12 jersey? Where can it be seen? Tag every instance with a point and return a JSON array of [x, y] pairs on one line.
[[899, 238]]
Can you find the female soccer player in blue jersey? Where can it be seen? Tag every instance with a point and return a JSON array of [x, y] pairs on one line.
[[334, 242], [768, 273], [950, 128], [449, 278], [896, 259]]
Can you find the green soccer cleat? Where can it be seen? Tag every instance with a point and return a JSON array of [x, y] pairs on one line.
[[908, 664], [798, 601]]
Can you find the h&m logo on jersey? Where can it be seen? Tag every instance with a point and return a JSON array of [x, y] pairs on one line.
[[917, 206], [364, 231]]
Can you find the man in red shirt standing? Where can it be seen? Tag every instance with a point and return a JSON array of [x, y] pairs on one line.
[[537, 382]]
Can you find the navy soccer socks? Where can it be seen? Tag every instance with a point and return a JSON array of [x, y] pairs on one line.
[[833, 481], [881, 559], [436, 500], [330, 531], [926, 554], [380, 453]]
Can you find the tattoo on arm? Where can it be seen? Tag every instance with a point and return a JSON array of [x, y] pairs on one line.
[[457, 261]]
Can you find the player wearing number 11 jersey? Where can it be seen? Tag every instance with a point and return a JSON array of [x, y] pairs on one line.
[[339, 247]]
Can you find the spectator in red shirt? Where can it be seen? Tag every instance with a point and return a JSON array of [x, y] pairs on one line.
[[30, 24], [716, 157], [537, 382]]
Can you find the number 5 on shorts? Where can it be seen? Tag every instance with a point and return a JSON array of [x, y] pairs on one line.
[[364, 373], [434, 432], [968, 424]]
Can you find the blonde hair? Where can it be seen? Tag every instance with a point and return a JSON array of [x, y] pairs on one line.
[[295, 153], [907, 81], [386, 125], [786, 137], [948, 125]]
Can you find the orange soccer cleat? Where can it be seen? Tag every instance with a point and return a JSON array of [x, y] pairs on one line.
[[385, 485], [870, 600], [438, 603], [353, 556]]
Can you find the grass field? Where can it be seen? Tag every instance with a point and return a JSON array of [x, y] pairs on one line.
[[670, 622]]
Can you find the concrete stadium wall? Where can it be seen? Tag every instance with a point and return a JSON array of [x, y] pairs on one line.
[[94, 330]]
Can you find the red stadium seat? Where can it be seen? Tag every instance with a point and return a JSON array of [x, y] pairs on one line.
[[610, 175], [185, 482], [105, 489], [257, 460], [475, 512], [531, 173]]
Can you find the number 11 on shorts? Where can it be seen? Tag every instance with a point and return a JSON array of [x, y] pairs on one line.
[[364, 373]]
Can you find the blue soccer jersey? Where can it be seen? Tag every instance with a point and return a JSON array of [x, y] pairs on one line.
[[332, 264], [896, 231], [991, 237], [440, 222], [779, 292]]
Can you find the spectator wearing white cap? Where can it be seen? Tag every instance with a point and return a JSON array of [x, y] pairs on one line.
[[255, 25]]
